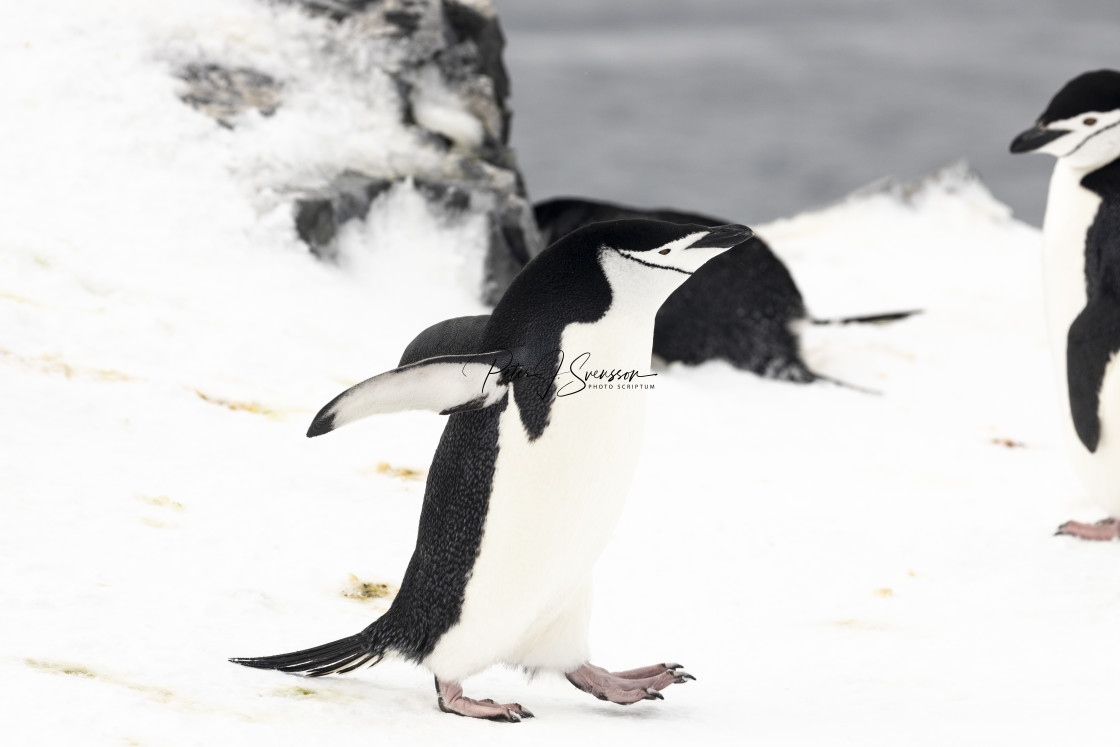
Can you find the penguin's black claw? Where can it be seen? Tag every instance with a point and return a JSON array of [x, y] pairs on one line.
[[652, 694]]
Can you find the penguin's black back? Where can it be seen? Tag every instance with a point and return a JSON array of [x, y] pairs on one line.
[[456, 500], [1094, 336], [1102, 242]]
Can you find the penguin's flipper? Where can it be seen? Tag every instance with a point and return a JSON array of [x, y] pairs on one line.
[[457, 336], [337, 657], [1094, 339], [445, 384]]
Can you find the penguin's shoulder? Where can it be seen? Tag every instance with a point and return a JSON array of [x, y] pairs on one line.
[[1102, 240], [1104, 181], [458, 336]]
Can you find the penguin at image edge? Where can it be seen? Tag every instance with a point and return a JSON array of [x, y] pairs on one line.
[[531, 471], [1081, 263]]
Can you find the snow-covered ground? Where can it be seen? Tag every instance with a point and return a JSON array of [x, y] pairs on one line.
[[835, 567]]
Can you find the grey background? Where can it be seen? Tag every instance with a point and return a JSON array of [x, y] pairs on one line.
[[755, 110]]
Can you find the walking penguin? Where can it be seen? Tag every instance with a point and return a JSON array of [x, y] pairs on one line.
[[531, 472], [1081, 261]]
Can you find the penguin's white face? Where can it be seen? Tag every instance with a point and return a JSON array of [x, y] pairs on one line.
[[1082, 124], [1087, 141], [686, 254], [674, 255]]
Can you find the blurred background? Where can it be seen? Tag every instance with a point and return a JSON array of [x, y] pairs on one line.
[[754, 110]]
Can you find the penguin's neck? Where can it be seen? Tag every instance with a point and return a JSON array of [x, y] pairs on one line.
[[1070, 211], [626, 330]]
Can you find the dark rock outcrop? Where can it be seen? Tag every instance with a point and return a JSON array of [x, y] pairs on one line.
[[318, 216]]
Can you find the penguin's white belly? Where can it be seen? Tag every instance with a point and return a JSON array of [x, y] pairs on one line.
[[553, 507], [1070, 210], [1100, 470]]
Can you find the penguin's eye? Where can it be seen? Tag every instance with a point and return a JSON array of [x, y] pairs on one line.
[[1090, 121], [663, 251]]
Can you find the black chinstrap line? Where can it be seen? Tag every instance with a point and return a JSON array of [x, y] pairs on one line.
[[649, 264], [1098, 132]]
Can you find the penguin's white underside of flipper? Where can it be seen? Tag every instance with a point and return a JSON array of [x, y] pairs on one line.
[[445, 384]]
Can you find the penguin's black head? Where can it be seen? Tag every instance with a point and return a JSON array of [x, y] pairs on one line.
[[646, 260], [679, 248], [1082, 123]]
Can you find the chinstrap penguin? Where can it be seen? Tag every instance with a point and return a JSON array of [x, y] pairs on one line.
[[1081, 261], [531, 472]]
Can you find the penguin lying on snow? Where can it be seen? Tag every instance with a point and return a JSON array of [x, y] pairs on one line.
[[744, 307], [1081, 259], [531, 471]]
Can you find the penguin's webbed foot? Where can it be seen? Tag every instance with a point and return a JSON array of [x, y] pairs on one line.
[[452, 700], [644, 683], [1103, 531]]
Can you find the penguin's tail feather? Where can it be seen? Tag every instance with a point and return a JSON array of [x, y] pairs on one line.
[[892, 316], [337, 657]]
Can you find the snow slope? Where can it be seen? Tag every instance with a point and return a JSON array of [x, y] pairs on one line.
[[835, 567]]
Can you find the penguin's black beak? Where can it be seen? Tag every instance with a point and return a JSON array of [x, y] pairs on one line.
[[1035, 138], [724, 237]]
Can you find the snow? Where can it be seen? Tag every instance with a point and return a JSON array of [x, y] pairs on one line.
[[835, 566]]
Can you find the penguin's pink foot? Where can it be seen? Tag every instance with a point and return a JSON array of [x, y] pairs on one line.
[[644, 683], [451, 700], [1102, 531]]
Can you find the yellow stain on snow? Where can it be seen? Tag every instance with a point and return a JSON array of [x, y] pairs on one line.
[[77, 670], [404, 473], [153, 693], [304, 692], [294, 692], [162, 501], [19, 299], [359, 589], [253, 407], [53, 364]]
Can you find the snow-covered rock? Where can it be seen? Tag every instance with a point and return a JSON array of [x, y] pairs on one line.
[[424, 78]]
